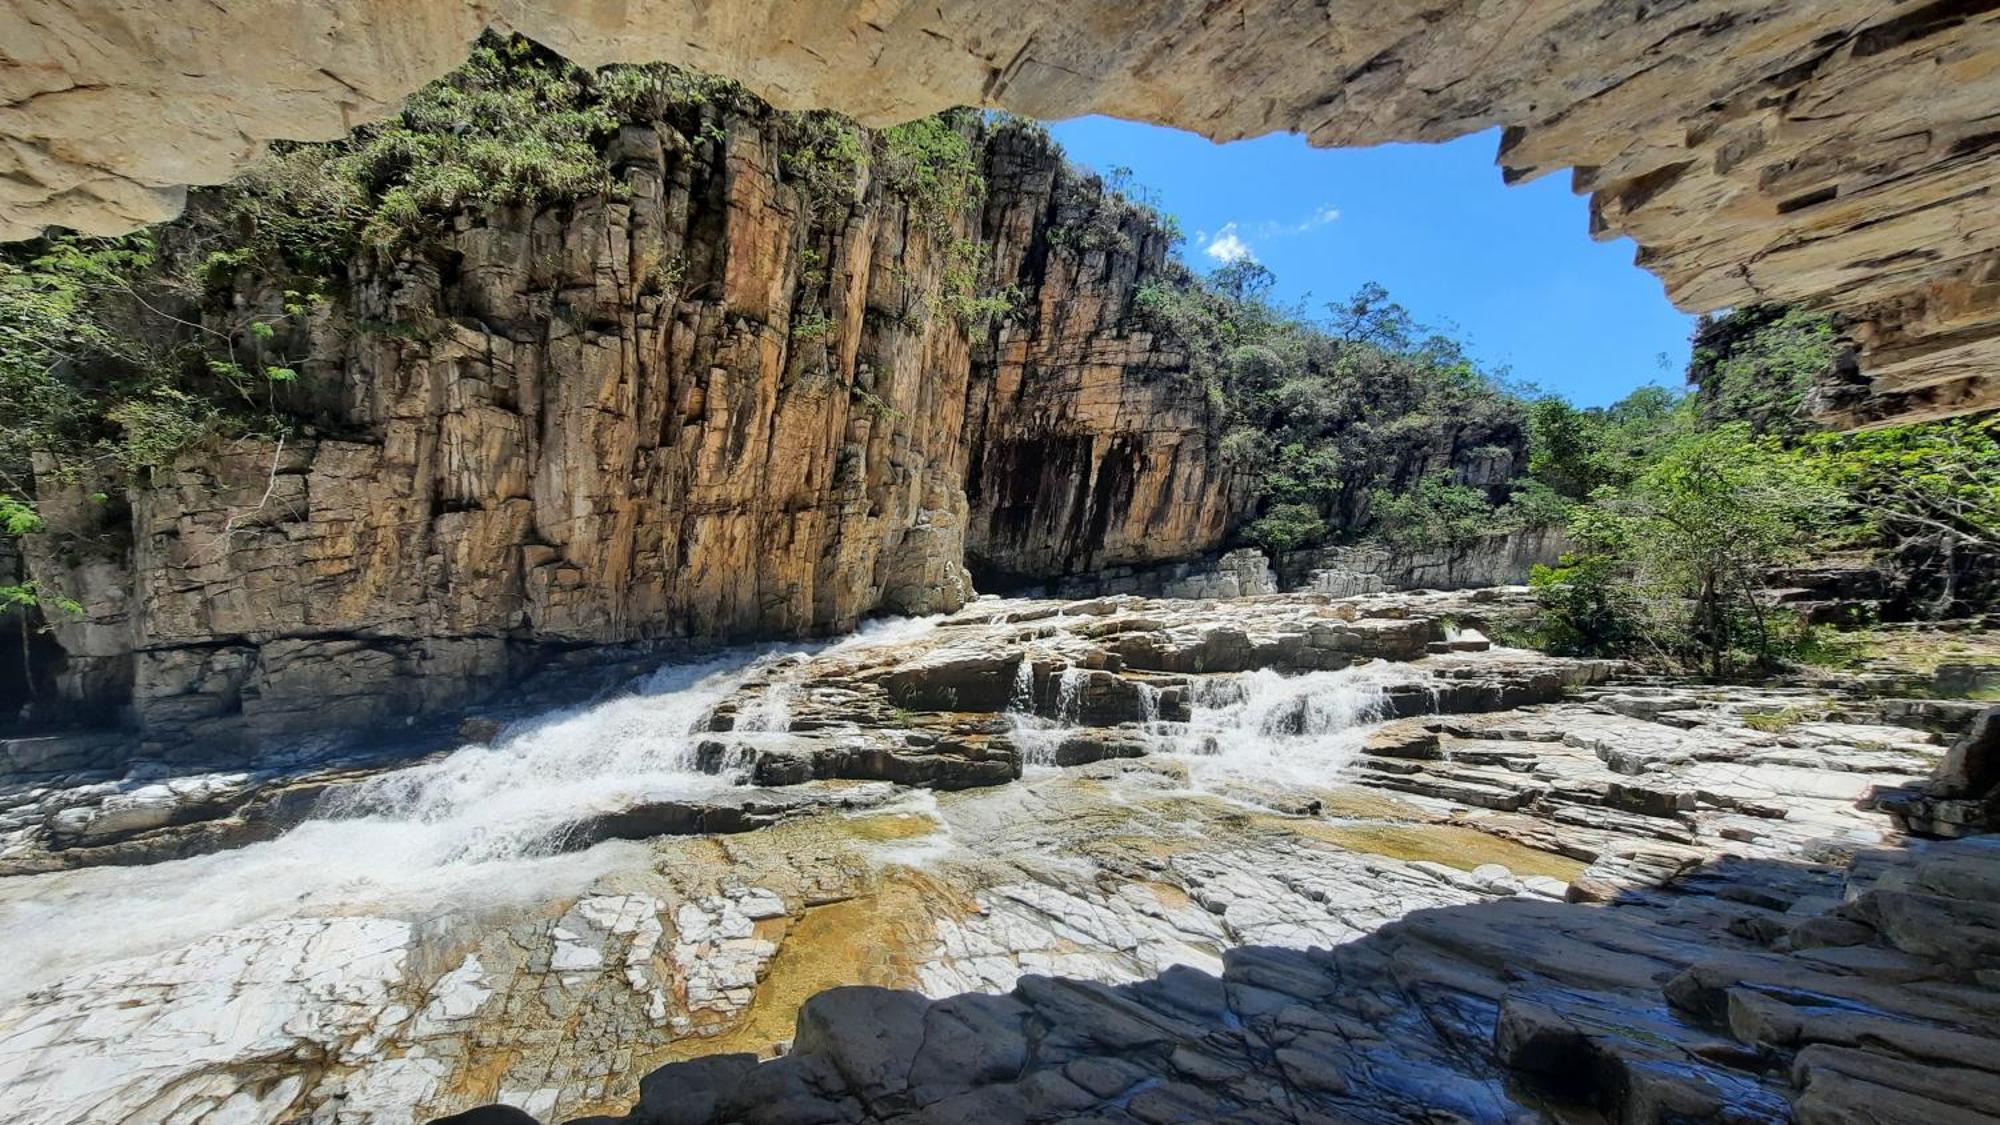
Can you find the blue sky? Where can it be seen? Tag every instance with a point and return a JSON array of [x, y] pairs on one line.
[[1512, 272]]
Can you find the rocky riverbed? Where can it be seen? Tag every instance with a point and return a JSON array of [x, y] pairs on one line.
[[1271, 859]]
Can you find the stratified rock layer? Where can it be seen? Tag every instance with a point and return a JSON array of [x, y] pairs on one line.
[[1795, 150], [698, 408], [1269, 859]]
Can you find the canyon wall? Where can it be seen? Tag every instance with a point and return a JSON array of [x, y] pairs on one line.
[[1501, 559], [1089, 441], [693, 408], [1819, 152]]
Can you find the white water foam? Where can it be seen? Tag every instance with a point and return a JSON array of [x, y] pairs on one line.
[[1264, 727], [478, 827]]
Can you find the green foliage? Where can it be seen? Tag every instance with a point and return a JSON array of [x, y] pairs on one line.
[[89, 365], [824, 155], [812, 326], [960, 293], [1573, 452], [1678, 557], [514, 124], [1436, 514], [1587, 606], [159, 424], [931, 164], [1938, 480], [46, 335], [1340, 423], [653, 93], [1287, 526], [1755, 365], [1925, 497], [17, 517], [1106, 214], [1683, 506]]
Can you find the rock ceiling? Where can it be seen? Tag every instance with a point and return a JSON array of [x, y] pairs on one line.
[[1837, 152]]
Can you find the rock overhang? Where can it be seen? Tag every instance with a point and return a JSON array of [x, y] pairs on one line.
[[1812, 151]]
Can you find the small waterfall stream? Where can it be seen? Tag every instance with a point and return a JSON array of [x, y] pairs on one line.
[[1265, 727], [1252, 726], [475, 827]]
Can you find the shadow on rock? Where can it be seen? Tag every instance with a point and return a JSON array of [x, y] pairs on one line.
[[1866, 988]]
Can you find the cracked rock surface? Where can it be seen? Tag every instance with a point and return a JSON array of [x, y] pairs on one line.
[[1328, 874]]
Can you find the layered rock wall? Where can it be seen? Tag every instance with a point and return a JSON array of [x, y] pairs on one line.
[[1090, 444], [695, 408], [1500, 559], [1805, 151]]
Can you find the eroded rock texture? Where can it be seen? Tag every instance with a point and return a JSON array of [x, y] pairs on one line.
[[1275, 859], [695, 408], [1798, 150]]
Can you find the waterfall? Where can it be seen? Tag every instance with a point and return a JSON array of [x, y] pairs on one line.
[[1252, 727], [1035, 736], [1149, 706], [1069, 694], [468, 830], [1022, 699], [771, 711], [1264, 727]]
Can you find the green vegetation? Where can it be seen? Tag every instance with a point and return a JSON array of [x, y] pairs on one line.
[[1756, 364], [1682, 508], [1686, 545], [118, 354], [932, 165], [1348, 425]]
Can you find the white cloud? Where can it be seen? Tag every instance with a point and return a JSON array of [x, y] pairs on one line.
[[1227, 246], [1321, 216]]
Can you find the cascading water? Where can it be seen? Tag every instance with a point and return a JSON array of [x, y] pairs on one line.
[[1069, 694], [478, 827], [1022, 698], [1149, 706], [1254, 726], [1034, 735], [771, 710], [1261, 726]]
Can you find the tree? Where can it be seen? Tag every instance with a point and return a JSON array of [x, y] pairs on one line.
[[1927, 496], [1755, 365], [1370, 317], [1244, 279], [1686, 547], [1435, 515]]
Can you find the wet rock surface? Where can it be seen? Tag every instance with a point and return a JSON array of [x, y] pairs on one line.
[[1170, 886]]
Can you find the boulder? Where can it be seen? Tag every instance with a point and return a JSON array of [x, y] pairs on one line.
[[1088, 746], [1403, 740], [688, 1093]]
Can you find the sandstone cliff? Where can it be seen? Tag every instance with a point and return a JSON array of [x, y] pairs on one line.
[[695, 407]]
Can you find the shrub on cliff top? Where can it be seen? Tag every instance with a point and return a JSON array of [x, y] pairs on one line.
[[1340, 422]]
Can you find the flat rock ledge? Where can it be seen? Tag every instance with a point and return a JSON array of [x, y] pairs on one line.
[[940, 714], [1444, 886], [1740, 992]]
